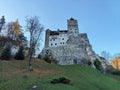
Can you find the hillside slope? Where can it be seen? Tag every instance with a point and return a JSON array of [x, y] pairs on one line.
[[14, 76]]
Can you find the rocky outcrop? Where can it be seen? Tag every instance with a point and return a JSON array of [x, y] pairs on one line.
[[77, 50], [115, 63]]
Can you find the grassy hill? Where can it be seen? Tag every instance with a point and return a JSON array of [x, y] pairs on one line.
[[14, 76]]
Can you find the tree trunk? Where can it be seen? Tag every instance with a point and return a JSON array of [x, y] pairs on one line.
[[30, 61], [30, 64]]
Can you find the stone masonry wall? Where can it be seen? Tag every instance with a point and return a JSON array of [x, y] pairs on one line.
[[77, 49]]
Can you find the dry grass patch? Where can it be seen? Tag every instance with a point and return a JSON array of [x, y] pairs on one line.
[[12, 68]]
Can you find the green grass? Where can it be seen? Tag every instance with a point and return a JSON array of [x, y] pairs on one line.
[[82, 77]]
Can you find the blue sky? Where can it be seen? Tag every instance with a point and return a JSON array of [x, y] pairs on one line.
[[100, 19]]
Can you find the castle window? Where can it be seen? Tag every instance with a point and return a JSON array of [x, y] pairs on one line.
[[62, 38], [60, 42], [63, 42], [55, 43], [51, 44]]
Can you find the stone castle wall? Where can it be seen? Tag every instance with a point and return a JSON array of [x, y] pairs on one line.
[[77, 49]]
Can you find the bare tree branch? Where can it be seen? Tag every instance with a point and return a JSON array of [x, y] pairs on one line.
[[35, 29]]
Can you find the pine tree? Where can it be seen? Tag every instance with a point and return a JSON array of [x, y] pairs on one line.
[[2, 22], [97, 64], [6, 53], [20, 54]]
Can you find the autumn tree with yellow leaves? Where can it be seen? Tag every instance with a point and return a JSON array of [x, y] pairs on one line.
[[17, 28], [14, 30]]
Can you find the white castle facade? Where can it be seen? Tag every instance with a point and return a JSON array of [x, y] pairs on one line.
[[60, 37]]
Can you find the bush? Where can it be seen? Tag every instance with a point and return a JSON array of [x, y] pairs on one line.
[[61, 80], [39, 56], [20, 54], [97, 64], [117, 72], [6, 53], [49, 57], [89, 63]]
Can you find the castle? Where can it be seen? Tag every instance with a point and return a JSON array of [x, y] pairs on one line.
[[67, 47], [60, 37]]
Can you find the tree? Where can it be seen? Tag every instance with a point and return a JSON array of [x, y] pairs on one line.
[[49, 57], [2, 22], [97, 64], [17, 28], [14, 30], [35, 29], [20, 55], [22, 39], [6, 53], [106, 55]]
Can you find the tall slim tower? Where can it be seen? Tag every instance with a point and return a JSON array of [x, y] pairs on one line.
[[72, 26], [47, 38]]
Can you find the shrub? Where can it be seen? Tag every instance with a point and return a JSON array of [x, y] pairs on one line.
[[61, 80], [117, 72], [6, 53], [39, 56], [97, 64], [75, 61], [89, 62], [20, 54], [49, 57]]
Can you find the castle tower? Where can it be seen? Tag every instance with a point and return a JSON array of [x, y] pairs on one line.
[[47, 38], [72, 26]]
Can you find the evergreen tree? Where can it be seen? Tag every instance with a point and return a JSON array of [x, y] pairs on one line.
[[2, 22], [97, 64], [20, 54], [6, 53]]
